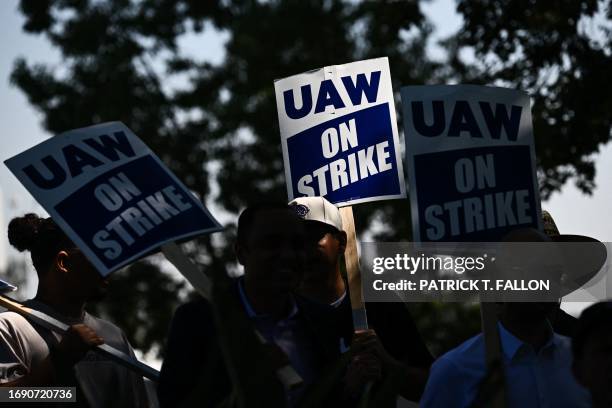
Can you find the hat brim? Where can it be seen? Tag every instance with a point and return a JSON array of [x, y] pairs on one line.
[[585, 262], [323, 223]]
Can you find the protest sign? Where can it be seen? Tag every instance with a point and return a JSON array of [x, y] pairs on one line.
[[340, 141], [110, 193], [471, 162], [339, 133]]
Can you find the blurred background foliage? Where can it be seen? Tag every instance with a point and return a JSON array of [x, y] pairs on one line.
[[215, 124]]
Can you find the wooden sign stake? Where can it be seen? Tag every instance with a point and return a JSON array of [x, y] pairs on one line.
[[353, 273]]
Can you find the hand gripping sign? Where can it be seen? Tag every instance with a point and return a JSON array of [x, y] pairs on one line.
[[339, 133], [340, 141], [471, 162], [110, 193]]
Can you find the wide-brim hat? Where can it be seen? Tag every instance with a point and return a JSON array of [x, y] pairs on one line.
[[588, 255]]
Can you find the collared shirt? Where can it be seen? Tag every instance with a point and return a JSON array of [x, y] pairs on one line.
[[288, 333], [541, 379]]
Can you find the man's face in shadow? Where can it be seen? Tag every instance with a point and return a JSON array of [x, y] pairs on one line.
[[324, 245], [273, 252]]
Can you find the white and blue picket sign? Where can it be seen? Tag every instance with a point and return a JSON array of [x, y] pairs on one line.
[[470, 159], [339, 133], [110, 193]]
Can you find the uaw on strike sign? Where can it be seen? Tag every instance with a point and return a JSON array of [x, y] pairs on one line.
[[110, 193], [339, 133], [471, 162]]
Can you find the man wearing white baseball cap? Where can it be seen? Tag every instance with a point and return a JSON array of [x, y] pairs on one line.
[[323, 281], [394, 338]]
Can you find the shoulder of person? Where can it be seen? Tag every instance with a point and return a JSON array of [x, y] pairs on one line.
[[19, 339], [455, 375], [12, 324], [469, 356], [13, 319]]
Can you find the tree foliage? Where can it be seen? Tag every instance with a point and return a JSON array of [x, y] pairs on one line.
[[216, 127], [559, 52]]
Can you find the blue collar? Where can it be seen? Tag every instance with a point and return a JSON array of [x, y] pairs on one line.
[[511, 345], [249, 308]]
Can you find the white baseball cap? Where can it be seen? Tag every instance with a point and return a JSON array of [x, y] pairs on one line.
[[317, 209]]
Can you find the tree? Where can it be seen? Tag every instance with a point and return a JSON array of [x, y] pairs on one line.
[[559, 52], [120, 55]]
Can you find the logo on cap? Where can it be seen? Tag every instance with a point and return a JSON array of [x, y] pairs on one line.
[[300, 209]]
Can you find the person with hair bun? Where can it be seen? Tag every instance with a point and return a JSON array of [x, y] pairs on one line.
[[33, 356]]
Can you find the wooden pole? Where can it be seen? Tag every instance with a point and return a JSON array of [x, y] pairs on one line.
[[353, 273]]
